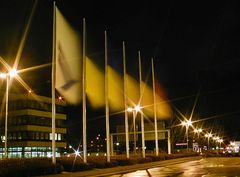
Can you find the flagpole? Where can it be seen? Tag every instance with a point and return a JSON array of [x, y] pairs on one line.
[[106, 99], [84, 95], [155, 110], [141, 95], [6, 118], [125, 101], [53, 85]]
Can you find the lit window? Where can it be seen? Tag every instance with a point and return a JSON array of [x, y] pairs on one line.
[[59, 137], [50, 135]]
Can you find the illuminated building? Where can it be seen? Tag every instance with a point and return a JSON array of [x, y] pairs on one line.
[[30, 126]]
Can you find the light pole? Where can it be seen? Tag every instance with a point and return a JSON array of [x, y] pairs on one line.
[[187, 124], [208, 135], [7, 76], [134, 111], [220, 141], [198, 131]]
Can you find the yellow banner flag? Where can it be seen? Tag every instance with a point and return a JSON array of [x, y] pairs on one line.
[[68, 61], [115, 90], [95, 84], [132, 91]]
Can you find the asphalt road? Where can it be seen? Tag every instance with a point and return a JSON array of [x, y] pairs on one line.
[[208, 167], [184, 167]]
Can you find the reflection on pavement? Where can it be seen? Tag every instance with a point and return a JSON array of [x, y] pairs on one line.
[[208, 167]]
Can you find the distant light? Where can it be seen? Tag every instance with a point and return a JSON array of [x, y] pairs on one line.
[[49, 155], [137, 108], [117, 144], [70, 146], [29, 91], [220, 140], [186, 123], [189, 122], [183, 123], [3, 76], [60, 98], [13, 72], [77, 153], [198, 130], [209, 135], [130, 109]]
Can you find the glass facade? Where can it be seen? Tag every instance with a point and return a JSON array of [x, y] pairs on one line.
[[29, 152], [33, 136]]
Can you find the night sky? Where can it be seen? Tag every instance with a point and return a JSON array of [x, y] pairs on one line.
[[195, 46]]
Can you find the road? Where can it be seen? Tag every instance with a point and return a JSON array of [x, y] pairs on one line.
[[208, 167], [184, 167]]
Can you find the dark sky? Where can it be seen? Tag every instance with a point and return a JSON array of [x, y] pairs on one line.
[[196, 47]]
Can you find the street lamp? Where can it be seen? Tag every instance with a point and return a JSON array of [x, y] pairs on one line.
[[7, 76], [187, 124], [220, 141], [198, 131], [134, 111], [208, 135]]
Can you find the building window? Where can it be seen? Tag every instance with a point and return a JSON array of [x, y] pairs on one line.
[[59, 138]]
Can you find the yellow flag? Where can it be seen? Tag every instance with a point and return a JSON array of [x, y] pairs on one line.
[[115, 90], [68, 61], [163, 108], [95, 84], [132, 91], [147, 100]]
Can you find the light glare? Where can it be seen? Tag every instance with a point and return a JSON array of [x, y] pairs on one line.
[[13, 72]]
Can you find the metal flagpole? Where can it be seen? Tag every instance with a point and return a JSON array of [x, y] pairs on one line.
[[6, 118], [141, 95], [134, 131], [53, 85], [125, 101], [84, 95], [155, 110], [106, 100]]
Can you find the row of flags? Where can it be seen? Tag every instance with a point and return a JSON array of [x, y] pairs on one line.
[[69, 77]]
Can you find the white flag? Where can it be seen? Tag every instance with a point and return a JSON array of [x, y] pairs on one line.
[[68, 61]]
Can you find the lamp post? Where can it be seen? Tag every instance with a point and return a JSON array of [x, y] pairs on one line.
[[134, 111], [187, 124], [220, 141], [7, 76], [208, 135], [198, 131]]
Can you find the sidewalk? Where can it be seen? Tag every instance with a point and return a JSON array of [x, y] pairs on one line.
[[123, 169]]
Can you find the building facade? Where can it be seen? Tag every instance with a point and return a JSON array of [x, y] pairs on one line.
[[30, 126]]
